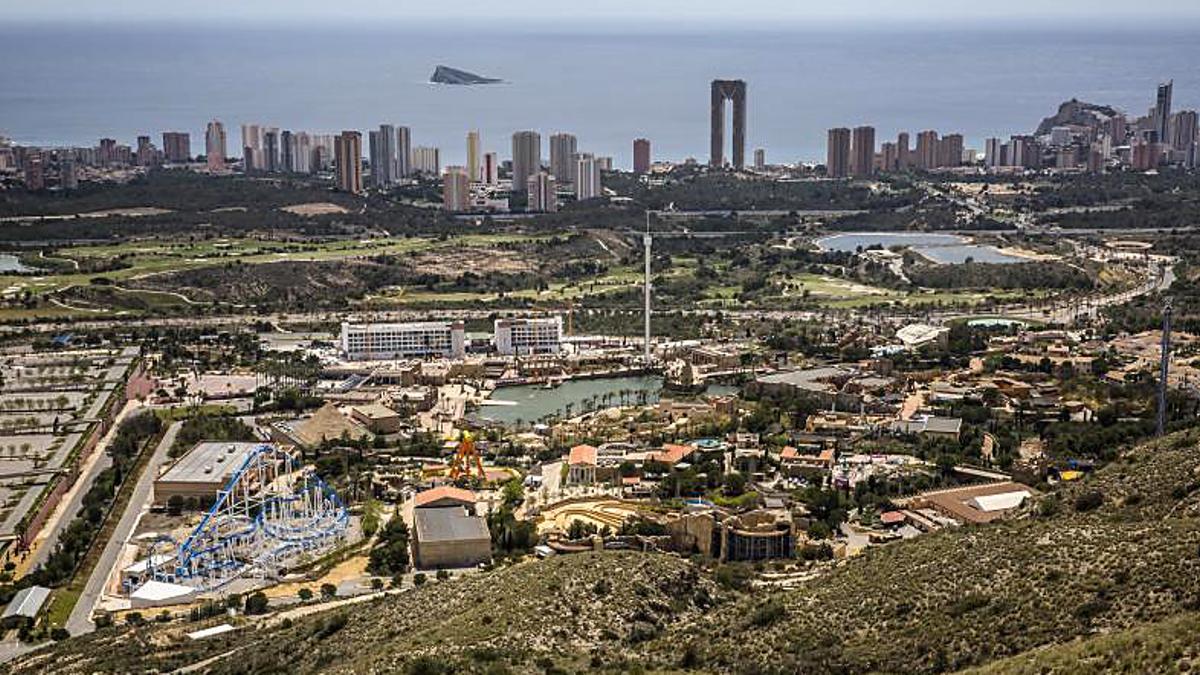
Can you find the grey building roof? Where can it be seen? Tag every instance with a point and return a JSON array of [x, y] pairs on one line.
[[209, 462], [27, 602], [449, 523], [808, 378]]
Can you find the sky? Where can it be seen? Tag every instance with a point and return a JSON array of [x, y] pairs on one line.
[[773, 13]]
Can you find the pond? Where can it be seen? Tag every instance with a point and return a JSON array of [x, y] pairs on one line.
[[530, 403], [940, 248], [10, 263]]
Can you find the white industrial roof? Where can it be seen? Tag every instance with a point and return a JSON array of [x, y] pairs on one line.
[[918, 334], [209, 462], [157, 591], [209, 632], [144, 564], [999, 502], [27, 602]]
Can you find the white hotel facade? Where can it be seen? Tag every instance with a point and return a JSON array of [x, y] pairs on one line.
[[521, 337], [384, 341]]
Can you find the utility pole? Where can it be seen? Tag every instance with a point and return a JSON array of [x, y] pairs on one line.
[[1164, 368], [646, 240]]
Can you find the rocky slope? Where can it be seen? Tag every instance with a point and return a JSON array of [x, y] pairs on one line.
[[1102, 565]]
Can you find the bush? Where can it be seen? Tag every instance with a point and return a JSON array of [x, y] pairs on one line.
[[330, 626], [1089, 501], [256, 603], [735, 577], [442, 575], [768, 613], [419, 579]]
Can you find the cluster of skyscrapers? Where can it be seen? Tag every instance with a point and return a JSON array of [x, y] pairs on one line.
[[852, 152], [1080, 136]]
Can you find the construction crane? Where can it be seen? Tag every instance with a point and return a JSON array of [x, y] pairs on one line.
[[467, 460]]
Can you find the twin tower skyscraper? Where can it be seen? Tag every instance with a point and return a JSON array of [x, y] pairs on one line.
[[733, 91]]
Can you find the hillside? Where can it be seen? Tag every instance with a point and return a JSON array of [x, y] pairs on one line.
[[561, 609], [1168, 646], [962, 598], [1114, 558]]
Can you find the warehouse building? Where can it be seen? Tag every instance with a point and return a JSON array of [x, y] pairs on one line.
[[201, 473], [522, 337], [447, 531], [387, 341], [25, 606]]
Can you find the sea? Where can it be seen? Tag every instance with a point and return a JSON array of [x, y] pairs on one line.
[[64, 84]]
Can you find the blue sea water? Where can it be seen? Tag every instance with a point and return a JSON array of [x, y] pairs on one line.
[[72, 85]]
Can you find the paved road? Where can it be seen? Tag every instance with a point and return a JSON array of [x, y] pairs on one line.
[[65, 513], [80, 620]]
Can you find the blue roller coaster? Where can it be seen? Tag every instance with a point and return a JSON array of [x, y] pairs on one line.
[[269, 516]]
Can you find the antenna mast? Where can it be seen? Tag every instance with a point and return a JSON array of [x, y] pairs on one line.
[[1164, 367]]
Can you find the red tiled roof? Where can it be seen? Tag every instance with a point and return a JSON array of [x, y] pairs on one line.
[[789, 452], [892, 518], [673, 454], [826, 456], [444, 492], [582, 454]]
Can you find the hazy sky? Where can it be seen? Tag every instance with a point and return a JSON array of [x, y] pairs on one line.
[[1034, 13]]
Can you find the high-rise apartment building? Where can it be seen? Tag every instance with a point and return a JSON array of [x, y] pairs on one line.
[[490, 171], [68, 174], [993, 153], [177, 147], [837, 153], [641, 155], [562, 152], [377, 158], [735, 92], [426, 160], [760, 159], [404, 166], [888, 157], [950, 150], [215, 149], [252, 159], [1183, 130], [348, 159], [382, 151], [456, 189], [271, 150], [586, 177], [927, 149], [526, 157], [862, 151], [303, 153], [1162, 112], [474, 157], [287, 152], [147, 154], [903, 154], [35, 172], [543, 193]]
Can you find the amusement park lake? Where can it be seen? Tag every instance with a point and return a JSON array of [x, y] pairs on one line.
[[10, 263], [941, 248], [531, 403]]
